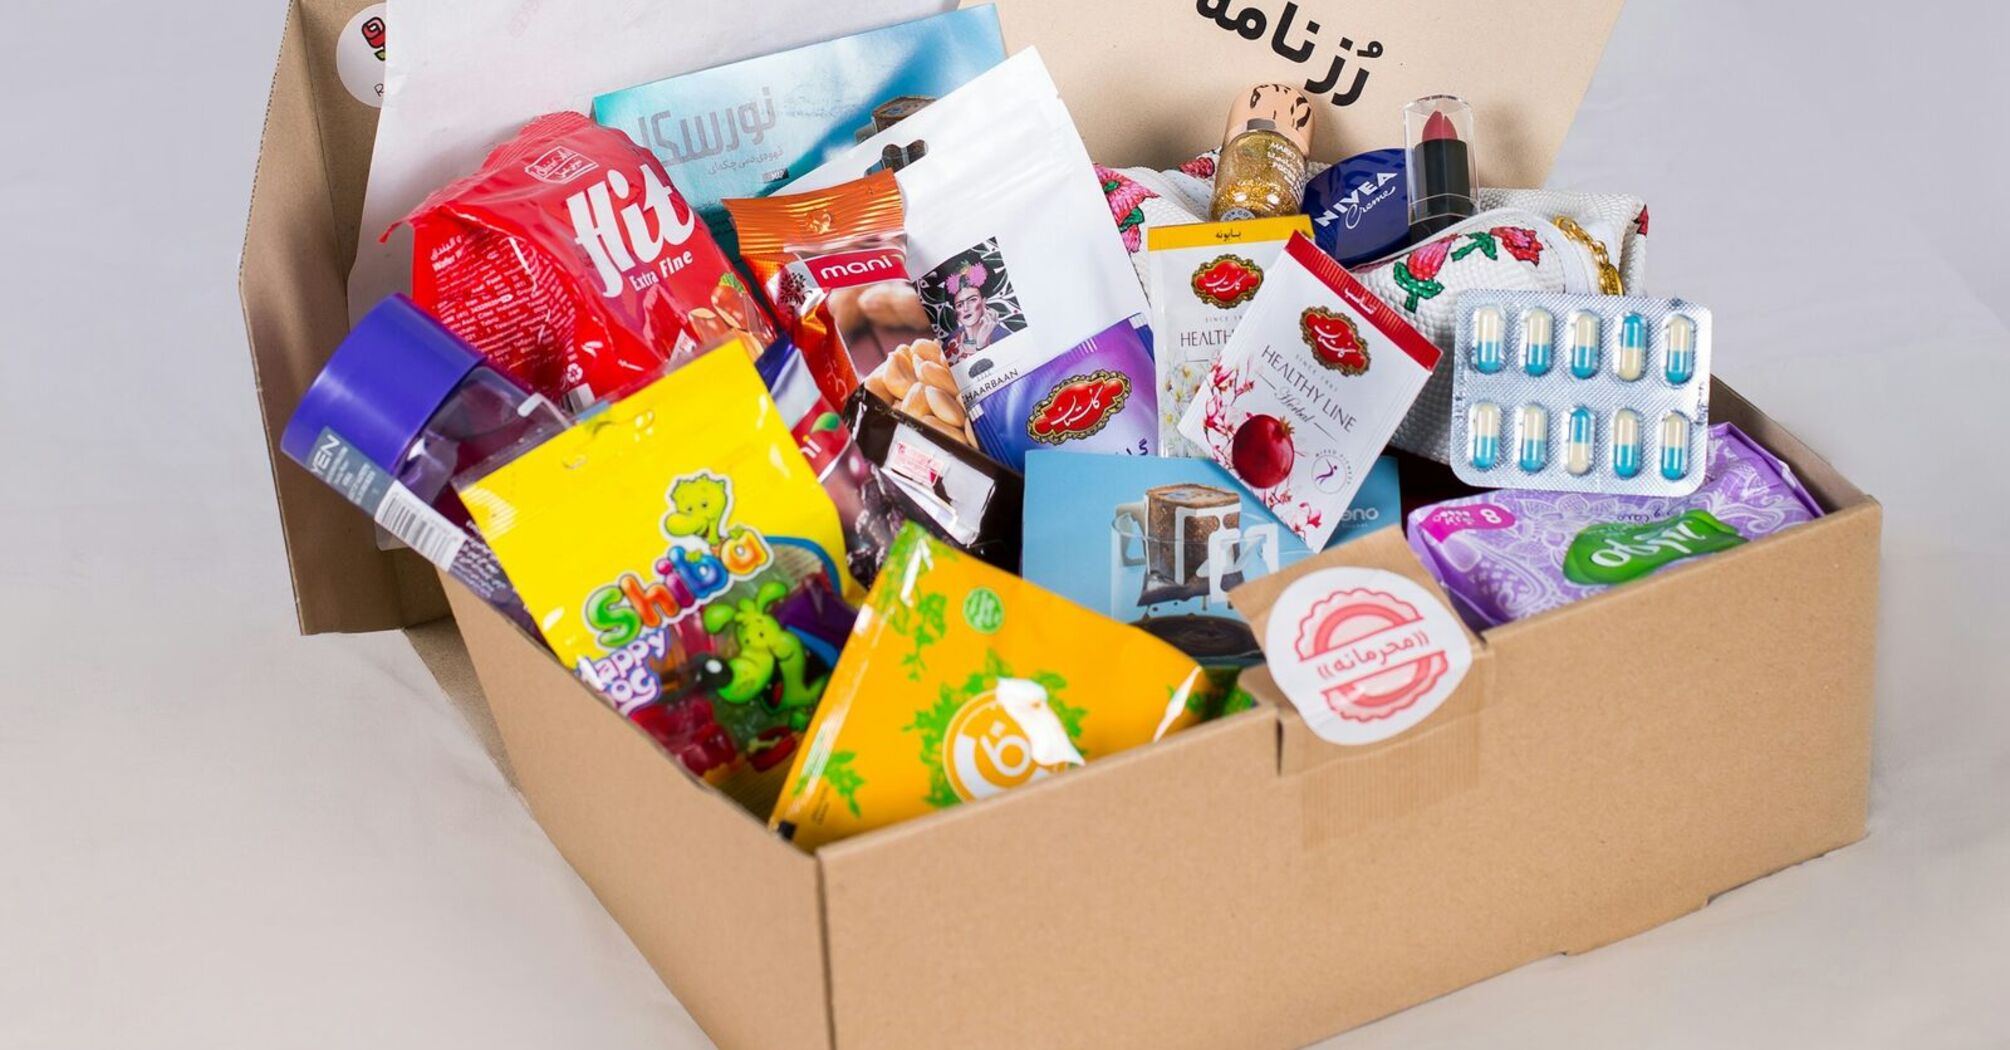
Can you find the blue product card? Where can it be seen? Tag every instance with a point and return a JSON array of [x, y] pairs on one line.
[[1359, 207], [1160, 541], [748, 128]]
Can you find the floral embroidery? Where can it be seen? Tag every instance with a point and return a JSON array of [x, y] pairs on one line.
[[1201, 167], [1126, 199], [1481, 241], [1520, 242], [1417, 273]]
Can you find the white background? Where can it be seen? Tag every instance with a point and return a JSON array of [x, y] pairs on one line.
[[216, 834]]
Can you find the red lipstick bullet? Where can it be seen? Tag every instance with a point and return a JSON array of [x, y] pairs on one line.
[[1439, 132]]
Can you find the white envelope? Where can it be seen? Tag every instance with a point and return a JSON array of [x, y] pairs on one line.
[[463, 75]]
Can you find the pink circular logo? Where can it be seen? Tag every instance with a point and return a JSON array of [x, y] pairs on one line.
[[1375, 646], [1364, 654]]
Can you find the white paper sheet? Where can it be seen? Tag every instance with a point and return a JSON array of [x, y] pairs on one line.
[[463, 75]]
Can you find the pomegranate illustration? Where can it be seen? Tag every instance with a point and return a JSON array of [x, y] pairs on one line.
[[1262, 452]]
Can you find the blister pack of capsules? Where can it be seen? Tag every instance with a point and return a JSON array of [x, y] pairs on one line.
[[1581, 393]]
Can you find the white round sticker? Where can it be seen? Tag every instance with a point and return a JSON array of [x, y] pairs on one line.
[[1364, 654], [359, 55]]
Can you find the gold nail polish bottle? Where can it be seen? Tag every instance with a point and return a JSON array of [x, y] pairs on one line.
[[1261, 172]]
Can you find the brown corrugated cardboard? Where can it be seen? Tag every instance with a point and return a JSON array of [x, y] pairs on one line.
[[728, 914], [1217, 891], [297, 245], [1523, 66], [1243, 884]]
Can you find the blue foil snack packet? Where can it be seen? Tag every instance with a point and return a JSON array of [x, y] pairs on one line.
[[1100, 396], [748, 128], [1159, 542]]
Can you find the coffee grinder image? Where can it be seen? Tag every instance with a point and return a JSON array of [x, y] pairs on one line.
[[1180, 550]]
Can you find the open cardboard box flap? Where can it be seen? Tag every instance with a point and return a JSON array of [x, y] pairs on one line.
[[1241, 884], [1524, 67]]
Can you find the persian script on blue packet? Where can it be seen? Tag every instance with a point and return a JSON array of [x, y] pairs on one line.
[[748, 128]]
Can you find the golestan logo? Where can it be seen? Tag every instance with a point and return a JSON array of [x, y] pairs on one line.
[[1228, 281], [1334, 340], [1078, 407]]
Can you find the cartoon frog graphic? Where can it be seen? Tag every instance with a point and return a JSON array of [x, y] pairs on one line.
[[772, 663]]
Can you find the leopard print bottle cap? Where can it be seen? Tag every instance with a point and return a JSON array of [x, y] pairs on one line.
[[1273, 107]]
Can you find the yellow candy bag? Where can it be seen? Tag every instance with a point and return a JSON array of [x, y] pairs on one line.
[[680, 555], [962, 681]]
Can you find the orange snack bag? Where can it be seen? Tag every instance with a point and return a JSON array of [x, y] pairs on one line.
[[833, 265], [961, 681]]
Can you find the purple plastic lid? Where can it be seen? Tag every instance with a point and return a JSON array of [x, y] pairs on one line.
[[381, 386]]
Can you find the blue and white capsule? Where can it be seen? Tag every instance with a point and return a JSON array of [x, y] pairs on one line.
[[1489, 352], [1674, 446], [1532, 438], [1483, 435], [1584, 344], [1679, 362], [1538, 336], [1631, 361], [1626, 443], [1582, 445]]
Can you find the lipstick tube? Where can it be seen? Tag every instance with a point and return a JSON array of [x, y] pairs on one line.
[[1438, 130]]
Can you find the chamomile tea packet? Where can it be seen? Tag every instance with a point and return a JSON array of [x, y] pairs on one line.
[[1202, 277]]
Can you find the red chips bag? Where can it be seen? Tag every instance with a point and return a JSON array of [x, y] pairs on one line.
[[573, 264]]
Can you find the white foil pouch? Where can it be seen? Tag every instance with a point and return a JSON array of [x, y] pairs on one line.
[[1009, 239]]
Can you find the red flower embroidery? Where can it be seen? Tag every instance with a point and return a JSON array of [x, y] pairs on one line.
[[1201, 167], [1126, 198], [1641, 222], [1425, 262], [1415, 274], [1520, 242]]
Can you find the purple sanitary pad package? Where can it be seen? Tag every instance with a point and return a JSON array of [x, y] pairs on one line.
[[1509, 554]]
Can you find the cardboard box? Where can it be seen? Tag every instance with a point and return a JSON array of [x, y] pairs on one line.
[[1523, 66], [1240, 885]]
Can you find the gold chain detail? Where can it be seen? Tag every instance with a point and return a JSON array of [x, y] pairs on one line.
[[1609, 281]]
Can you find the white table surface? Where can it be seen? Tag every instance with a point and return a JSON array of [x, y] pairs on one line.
[[216, 834]]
